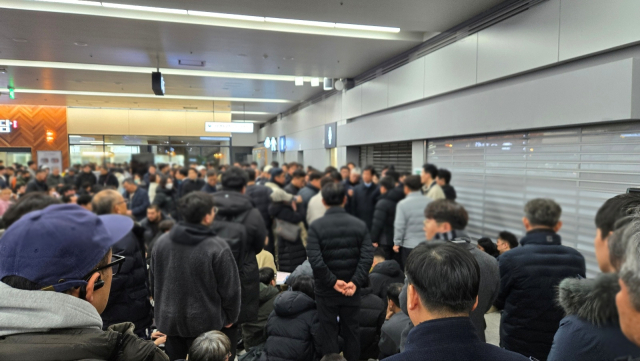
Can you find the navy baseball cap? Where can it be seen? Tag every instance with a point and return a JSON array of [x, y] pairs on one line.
[[59, 245], [276, 172]]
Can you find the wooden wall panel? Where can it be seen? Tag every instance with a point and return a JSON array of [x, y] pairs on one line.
[[33, 123]]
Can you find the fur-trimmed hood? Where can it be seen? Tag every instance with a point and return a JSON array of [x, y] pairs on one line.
[[591, 299]]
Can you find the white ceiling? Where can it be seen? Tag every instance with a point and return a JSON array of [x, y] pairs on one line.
[[115, 41]]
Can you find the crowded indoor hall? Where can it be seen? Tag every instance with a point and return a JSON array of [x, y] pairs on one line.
[[337, 180]]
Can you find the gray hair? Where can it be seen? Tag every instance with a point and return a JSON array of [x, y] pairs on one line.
[[356, 171], [630, 271], [210, 346], [104, 201], [542, 212], [618, 243]]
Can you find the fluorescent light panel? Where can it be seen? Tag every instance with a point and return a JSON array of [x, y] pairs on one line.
[[138, 95], [321, 24]]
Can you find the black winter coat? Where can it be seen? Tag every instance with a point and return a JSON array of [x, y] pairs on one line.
[[292, 329], [69, 180], [189, 186], [108, 180], [591, 329], [384, 216], [129, 297], [290, 254], [339, 248], [384, 274], [165, 199], [231, 205], [260, 196], [83, 178], [529, 276], [35, 186], [371, 318], [449, 192], [291, 189], [363, 202]]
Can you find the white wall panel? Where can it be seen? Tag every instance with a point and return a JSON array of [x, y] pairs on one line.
[[589, 26], [523, 42], [452, 67], [333, 108], [317, 158], [406, 83], [375, 95], [352, 102]]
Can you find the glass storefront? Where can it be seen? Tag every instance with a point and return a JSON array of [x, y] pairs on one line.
[[12, 155], [120, 149]]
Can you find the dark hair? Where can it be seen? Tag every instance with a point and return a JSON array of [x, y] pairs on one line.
[[330, 169], [387, 182], [413, 182], [266, 275], [379, 252], [304, 284], [333, 194], [195, 206], [431, 169], [445, 275], [444, 174], [488, 246], [192, 169], [155, 207], [166, 225], [234, 179], [127, 180], [211, 173], [345, 167], [210, 346], [299, 173], [41, 170], [162, 183], [28, 203], [30, 163], [84, 199], [369, 168], [393, 174], [275, 164], [326, 180], [314, 176], [444, 210], [614, 209], [335, 175], [543, 212], [184, 171], [351, 163], [251, 174], [333, 357], [509, 238], [393, 293]]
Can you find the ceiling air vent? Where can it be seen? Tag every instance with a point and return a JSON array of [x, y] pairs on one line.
[[200, 63]]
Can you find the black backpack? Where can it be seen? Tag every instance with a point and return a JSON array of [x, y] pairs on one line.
[[234, 232]]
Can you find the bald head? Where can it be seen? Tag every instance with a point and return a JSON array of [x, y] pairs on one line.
[[108, 201]]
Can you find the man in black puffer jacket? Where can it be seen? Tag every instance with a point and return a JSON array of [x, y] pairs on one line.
[[261, 198], [371, 318], [341, 254], [529, 278], [129, 297], [364, 197], [234, 206], [383, 274], [385, 214]]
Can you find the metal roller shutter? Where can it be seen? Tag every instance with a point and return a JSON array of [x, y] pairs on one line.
[[578, 167], [381, 155]]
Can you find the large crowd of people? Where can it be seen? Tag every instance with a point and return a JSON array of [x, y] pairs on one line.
[[111, 262]]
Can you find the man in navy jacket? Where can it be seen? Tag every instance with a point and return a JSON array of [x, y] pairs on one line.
[[138, 199], [529, 278], [444, 279]]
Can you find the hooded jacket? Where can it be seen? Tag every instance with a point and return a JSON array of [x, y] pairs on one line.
[[529, 276], [292, 329], [371, 318], [195, 282], [233, 205], [253, 332], [384, 216], [384, 274], [591, 328], [45, 325], [290, 254]]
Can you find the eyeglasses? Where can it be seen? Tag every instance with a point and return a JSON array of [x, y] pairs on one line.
[[115, 264]]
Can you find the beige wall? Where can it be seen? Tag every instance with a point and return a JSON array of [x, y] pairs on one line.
[[141, 122]]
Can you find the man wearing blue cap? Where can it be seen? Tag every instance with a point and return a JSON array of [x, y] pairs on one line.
[[56, 269]]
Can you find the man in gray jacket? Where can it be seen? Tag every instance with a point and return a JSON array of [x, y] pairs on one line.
[[409, 221]]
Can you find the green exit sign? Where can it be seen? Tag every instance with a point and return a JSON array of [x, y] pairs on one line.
[[12, 93]]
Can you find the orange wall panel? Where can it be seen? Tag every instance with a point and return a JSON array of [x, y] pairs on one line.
[[33, 124]]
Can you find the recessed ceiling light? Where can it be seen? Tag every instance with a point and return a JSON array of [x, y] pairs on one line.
[[77, 43], [19, 40], [145, 95], [299, 81], [315, 81], [192, 62]]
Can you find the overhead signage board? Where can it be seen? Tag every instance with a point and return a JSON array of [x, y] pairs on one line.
[[271, 144], [283, 144], [330, 135], [6, 125], [228, 127]]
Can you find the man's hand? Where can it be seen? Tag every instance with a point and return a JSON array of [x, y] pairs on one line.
[[294, 206], [129, 213], [390, 312], [229, 325], [350, 289], [158, 338], [396, 249], [350, 192], [375, 245], [340, 286], [299, 199]]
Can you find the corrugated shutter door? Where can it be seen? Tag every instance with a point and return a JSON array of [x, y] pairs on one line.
[[381, 155], [578, 167]]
